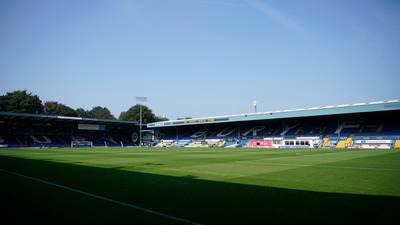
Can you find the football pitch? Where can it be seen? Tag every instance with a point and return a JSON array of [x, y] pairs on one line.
[[199, 186]]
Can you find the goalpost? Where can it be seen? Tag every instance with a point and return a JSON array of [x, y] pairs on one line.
[[78, 144]]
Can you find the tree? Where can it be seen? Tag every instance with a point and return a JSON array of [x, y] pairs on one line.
[[133, 114], [101, 113], [24, 102], [161, 118], [55, 108], [83, 113], [21, 101], [185, 118], [97, 112], [2, 103]]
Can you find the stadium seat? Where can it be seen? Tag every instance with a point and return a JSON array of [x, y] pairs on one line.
[[346, 143], [325, 141], [397, 144]]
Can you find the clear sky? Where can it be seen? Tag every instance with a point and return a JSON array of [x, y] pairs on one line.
[[201, 57]]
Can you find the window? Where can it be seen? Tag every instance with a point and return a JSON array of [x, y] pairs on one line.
[[277, 142]]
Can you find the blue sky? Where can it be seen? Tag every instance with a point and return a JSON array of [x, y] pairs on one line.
[[201, 57]]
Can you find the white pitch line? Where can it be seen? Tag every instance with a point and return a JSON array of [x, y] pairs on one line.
[[102, 198]]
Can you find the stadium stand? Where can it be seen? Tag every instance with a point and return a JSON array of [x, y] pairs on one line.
[[45, 131], [363, 125]]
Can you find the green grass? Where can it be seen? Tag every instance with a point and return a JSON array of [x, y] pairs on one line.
[[237, 186]]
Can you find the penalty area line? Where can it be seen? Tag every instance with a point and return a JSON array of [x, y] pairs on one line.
[[102, 198]]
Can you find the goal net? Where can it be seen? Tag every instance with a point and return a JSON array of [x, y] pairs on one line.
[[78, 144]]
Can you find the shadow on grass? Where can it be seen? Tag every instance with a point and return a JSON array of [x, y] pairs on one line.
[[206, 202]]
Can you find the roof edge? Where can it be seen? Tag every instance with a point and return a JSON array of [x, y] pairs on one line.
[[375, 106], [17, 114]]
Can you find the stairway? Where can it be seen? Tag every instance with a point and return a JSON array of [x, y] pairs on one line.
[[221, 144], [20, 142], [346, 143], [299, 131]]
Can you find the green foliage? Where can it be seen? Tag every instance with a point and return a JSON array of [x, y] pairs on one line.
[[24, 102], [185, 118], [133, 114], [101, 113], [161, 118], [55, 108], [97, 112], [21, 101], [83, 113]]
